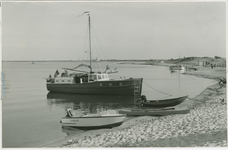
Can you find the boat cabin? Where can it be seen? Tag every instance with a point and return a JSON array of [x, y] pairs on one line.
[[65, 80], [98, 77], [81, 78]]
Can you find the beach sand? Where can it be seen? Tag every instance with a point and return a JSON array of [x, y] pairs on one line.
[[204, 126]]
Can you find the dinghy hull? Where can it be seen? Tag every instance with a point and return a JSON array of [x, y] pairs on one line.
[[164, 102], [154, 112], [104, 121]]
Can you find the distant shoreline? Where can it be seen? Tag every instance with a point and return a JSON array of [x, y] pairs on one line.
[[186, 61], [135, 60]]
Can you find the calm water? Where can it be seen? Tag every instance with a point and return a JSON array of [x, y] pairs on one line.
[[31, 115]]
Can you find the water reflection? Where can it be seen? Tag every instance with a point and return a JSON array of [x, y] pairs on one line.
[[94, 103]]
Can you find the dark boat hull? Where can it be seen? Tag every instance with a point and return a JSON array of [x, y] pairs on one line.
[[112, 87], [165, 102], [155, 112]]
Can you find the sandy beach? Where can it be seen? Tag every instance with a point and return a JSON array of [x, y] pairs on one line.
[[204, 126]]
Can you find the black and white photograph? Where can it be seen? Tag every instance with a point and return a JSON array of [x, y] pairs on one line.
[[113, 74]]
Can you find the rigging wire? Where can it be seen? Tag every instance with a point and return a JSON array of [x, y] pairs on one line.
[[95, 39], [79, 54], [74, 45], [65, 61], [85, 51], [98, 43], [156, 89], [94, 44]]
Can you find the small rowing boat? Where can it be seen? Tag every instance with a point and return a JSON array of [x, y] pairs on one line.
[[100, 120], [154, 112], [169, 102]]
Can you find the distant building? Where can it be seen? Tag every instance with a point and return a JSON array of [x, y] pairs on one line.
[[200, 63], [203, 63]]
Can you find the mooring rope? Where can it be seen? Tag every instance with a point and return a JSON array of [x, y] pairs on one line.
[[156, 89]]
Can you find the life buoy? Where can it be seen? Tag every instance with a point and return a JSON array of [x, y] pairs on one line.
[[110, 84], [100, 84], [120, 84]]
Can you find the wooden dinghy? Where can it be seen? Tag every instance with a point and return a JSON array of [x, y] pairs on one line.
[[162, 102], [92, 120], [154, 112]]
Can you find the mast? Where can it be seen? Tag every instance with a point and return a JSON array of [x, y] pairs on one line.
[[90, 46], [90, 55]]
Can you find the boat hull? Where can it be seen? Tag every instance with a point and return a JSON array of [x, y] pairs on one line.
[[165, 102], [174, 69], [94, 122], [155, 112], [111, 87], [177, 68]]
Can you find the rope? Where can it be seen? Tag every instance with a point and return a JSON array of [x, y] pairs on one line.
[[156, 89], [93, 36]]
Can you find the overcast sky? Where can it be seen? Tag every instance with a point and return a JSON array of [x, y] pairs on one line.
[[120, 30]]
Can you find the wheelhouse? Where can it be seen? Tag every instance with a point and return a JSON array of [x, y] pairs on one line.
[[98, 77], [79, 78]]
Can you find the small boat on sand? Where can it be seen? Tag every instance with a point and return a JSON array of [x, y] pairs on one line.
[[154, 112], [89, 121], [161, 102]]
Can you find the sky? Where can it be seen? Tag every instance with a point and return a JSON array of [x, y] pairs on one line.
[[119, 30]]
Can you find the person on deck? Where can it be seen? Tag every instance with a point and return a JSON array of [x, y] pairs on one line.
[[66, 73]]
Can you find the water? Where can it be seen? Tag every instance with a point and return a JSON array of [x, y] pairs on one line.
[[31, 115]]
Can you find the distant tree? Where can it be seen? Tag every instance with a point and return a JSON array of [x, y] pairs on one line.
[[217, 57]]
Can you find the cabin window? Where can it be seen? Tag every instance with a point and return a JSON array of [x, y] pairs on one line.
[[95, 77], [62, 80], [103, 76], [106, 76], [92, 77], [99, 76], [68, 80]]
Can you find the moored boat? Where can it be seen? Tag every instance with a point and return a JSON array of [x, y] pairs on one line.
[[162, 102], [91, 82], [177, 68], [154, 112], [89, 121], [99, 86]]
